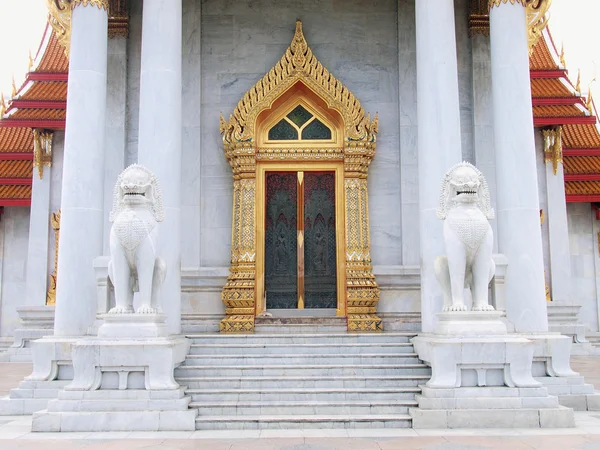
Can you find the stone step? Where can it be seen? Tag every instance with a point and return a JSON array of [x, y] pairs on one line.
[[301, 382], [293, 359], [308, 338], [302, 370], [261, 422], [299, 349], [305, 395], [240, 408]]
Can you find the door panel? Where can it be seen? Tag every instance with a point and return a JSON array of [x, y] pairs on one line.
[[281, 242], [319, 243]]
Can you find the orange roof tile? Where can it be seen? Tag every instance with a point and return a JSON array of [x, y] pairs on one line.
[[549, 87], [15, 191], [40, 114], [54, 59], [16, 140], [557, 111], [580, 136], [541, 58], [575, 165], [16, 169], [582, 187], [46, 90]]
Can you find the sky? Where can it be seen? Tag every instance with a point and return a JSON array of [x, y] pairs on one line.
[[572, 22]]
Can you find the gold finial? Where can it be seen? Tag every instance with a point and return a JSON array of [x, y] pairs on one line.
[[30, 62], [578, 84], [2, 106], [14, 87], [590, 102], [562, 56]]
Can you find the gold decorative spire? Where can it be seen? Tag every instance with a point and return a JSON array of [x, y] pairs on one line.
[[562, 56], [30, 65], [590, 102], [578, 84], [297, 64], [14, 87], [2, 105]]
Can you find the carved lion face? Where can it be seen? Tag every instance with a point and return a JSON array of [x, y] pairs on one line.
[[465, 184], [136, 187]]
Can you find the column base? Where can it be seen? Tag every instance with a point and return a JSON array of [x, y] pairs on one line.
[[471, 323], [237, 324], [36, 322], [364, 323], [52, 371], [117, 410], [122, 384]]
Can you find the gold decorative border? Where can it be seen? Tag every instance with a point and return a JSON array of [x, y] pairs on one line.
[[51, 295], [243, 293], [553, 147], [493, 3], [297, 63], [102, 4], [42, 150]]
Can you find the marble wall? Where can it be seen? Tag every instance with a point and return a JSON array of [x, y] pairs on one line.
[[14, 231], [357, 41], [228, 46], [585, 270]]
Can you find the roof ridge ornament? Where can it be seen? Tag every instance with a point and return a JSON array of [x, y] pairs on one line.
[[298, 63]]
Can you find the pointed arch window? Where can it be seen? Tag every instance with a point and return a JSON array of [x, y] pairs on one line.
[[299, 125]]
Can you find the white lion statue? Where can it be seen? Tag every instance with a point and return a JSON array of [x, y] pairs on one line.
[[134, 266], [465, 209]]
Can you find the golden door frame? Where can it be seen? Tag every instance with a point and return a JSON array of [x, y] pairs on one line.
[[299, 78], [338, 169]]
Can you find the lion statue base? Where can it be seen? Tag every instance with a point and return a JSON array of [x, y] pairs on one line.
[[468, 238], [134, 265]]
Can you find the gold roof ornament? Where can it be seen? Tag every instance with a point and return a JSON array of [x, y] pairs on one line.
[[59, 18], [2, 105], [297, 64], [590, 102], [578, 84], [537, 20]]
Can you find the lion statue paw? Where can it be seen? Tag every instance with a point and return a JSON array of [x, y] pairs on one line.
[[482, 308], [121, 310], [148, 310]]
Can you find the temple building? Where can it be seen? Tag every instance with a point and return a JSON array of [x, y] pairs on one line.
[[299, 148]]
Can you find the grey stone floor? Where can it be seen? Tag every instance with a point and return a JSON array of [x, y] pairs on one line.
[[15, 432]]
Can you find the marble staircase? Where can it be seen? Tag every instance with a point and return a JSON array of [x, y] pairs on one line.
[[302, 380]]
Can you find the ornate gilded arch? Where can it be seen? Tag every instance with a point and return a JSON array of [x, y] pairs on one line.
[[298, 69]]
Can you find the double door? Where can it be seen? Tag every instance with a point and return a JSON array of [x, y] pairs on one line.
[[300, 240]]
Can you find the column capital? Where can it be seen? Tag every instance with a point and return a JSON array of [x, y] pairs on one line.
[[493, 3], [102, 4]]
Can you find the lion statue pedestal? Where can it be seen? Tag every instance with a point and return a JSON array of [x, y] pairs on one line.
[[481, 375], [130, 364]]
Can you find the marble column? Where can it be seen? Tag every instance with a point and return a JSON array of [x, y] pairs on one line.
[[516, 177], [439, 146], [83, 172], [36, 272], [160, 134]]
